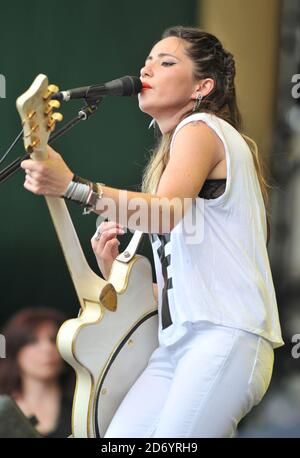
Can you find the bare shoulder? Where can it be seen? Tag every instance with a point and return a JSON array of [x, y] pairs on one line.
[[198, 136], [193, 156]]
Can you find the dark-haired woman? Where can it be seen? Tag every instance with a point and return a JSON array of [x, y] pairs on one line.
[[34, 374], [218, 318]]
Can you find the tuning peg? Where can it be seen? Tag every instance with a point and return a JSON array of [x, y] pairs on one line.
[[51, 105], [58, 117], [54, 104], [55, 117], [52, 88]]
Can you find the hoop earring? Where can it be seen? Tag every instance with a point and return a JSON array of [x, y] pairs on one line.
[[197, 102]]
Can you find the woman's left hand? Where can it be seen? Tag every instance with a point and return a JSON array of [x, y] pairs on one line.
[[48, 177]]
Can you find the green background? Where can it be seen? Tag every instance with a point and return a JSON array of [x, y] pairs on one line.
[[74, 44]]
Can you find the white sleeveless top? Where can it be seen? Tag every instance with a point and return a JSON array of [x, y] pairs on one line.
[[214, 264]]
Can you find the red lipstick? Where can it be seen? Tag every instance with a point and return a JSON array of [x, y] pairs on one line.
[[146, 86]]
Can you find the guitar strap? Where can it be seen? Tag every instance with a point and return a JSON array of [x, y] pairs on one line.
[[132, 247]]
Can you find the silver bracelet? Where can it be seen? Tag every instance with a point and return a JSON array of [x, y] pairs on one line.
[[78, 192], [85, 193]]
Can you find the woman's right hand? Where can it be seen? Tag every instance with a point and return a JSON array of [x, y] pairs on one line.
[[106, 245]]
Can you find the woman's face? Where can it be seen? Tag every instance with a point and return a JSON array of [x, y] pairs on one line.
[[40, 359], [169, 72]]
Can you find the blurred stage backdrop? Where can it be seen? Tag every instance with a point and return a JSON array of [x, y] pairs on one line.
[[95, 41], [78, 44]]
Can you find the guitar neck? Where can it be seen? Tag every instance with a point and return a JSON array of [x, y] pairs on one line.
[[87, 284], [35, 108]]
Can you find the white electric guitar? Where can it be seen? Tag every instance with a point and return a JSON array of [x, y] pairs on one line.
[[110, 342]]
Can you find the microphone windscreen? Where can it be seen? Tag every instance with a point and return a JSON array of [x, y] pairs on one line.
[[132, 85], [125, 86]]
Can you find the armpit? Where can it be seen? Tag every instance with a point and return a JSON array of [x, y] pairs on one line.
[[213, 188]]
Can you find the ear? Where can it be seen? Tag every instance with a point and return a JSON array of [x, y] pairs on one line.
[[204, 87]]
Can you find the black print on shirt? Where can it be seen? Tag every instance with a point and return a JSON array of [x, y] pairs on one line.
[[165, 262]]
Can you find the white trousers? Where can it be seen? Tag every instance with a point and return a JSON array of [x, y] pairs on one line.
[[201, 386]]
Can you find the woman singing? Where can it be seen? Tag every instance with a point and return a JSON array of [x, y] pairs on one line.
[[218, 318]]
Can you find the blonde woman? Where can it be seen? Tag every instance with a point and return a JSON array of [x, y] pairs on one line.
[[218, 318]]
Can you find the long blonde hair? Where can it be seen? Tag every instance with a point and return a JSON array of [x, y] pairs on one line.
[[211, 60]]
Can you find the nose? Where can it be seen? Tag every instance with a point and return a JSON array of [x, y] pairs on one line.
[[146, 70]]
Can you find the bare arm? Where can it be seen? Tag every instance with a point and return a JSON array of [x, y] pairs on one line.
[[194, 155]]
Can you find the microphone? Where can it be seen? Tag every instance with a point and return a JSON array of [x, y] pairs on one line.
[[125, 86]]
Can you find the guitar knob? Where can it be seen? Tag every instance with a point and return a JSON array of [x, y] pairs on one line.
[[55, 117], [54, 104], [58, 117], [52, 88]]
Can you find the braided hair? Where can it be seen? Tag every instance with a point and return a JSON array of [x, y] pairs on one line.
[[211, 60]]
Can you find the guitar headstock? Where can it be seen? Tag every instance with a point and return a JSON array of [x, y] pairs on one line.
[[36, 110]]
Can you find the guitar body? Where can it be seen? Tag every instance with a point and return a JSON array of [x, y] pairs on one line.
[[109, 344], [110, 349]]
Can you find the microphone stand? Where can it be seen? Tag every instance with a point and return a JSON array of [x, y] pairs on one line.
[[83, 114]]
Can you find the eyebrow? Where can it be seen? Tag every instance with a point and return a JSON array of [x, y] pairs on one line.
[[162, 54]]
